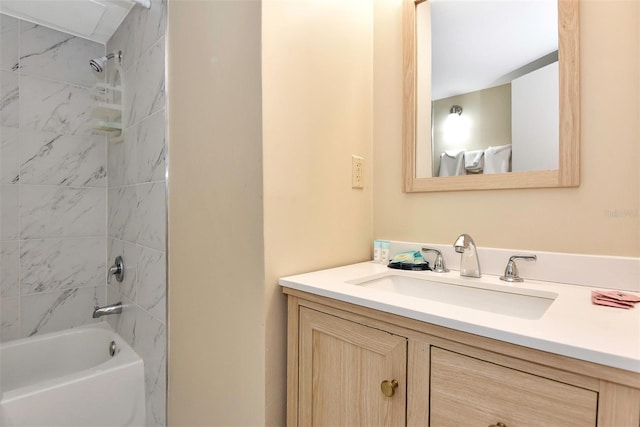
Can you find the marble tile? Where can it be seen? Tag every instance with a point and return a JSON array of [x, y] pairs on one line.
[[55, 107], [149, 83], [150, 343], [122, 158], [9, 212], [58, 56], [124, 323], [9, 163], [130, 79], [152, 215], [130, 162], [47, 211], [8, 43], [152, 282], [115, 164], [130, 254], [54, 311], [152, 23], [9, 319], [141, 160], [9, 99], [140, 30], [9, 269], [151, 148], [53, 159], [127, 38], [113, 296], [123, 213], [55, 264]]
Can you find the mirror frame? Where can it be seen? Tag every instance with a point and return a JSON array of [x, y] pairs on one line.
[[568, 172]]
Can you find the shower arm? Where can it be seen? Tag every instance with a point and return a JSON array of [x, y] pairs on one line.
[[113, 55]]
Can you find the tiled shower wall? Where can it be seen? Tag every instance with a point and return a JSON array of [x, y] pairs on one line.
[[61, 223], [53, 196], [137, 199]]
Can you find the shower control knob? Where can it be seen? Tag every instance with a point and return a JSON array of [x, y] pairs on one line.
[[117, 269]]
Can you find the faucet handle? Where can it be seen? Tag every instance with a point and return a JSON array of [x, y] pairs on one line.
[[438, 265], [117, 269], [511, 271]]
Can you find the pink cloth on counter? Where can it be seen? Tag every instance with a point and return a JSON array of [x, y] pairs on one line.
[[614, 299]]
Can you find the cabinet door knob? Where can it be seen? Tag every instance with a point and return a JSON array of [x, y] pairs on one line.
[[498, 424], [389, 387]]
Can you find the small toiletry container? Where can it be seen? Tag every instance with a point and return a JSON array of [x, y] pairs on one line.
[[376, 251], [385, 247]]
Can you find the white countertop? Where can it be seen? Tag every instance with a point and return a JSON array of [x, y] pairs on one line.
[[572, 326]]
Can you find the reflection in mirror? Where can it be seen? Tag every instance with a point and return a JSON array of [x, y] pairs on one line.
[[507, 85], [491, 86]]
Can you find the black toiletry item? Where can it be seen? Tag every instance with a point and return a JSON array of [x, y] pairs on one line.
[[409, 266]]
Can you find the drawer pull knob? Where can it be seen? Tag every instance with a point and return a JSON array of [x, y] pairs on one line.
[[499, 424], [389, 387]]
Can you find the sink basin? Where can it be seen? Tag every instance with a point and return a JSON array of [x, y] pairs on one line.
[[507, 300]]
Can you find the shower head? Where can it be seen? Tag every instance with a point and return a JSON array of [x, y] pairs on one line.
[[98, 64]]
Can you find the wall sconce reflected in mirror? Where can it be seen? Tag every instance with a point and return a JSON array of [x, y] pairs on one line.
[[456, 128], [456, 109]]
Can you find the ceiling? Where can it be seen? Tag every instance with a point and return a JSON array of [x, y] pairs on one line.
[[95, 20], [475, 43]]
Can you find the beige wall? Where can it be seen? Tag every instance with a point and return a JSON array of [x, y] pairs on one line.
[[320, 104], [600, 217], [216, 272], [317, 112], [227, 326]]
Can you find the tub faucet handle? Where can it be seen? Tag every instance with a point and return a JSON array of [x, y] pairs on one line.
[[117, 269], [511, 273]]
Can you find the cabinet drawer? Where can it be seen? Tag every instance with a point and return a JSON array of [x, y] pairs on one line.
[[466, 391]]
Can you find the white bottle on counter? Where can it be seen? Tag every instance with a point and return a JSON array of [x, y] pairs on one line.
[[376, 251], [385, 247]]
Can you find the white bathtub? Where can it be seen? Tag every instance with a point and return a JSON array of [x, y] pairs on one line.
[[68, 378]]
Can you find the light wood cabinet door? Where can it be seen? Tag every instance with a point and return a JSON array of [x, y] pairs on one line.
[[341, 367], [466, 391]]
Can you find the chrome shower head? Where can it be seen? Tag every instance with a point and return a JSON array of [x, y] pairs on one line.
[[98, 64]]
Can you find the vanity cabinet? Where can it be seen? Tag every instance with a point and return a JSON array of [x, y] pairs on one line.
[[343, 363], [351, 365]]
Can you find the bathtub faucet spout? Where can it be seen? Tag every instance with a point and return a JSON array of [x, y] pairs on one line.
[[107, 309]]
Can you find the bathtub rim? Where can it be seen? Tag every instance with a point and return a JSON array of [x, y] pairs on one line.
[[124, 358]]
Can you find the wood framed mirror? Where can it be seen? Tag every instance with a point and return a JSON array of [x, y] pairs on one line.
[[567, 173]]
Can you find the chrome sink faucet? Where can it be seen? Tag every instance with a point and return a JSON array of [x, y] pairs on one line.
[[469, 263], [438, 265]]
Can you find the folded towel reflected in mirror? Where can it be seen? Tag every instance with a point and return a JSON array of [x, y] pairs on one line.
[[497, 159], [451, 163], [474, 161]]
